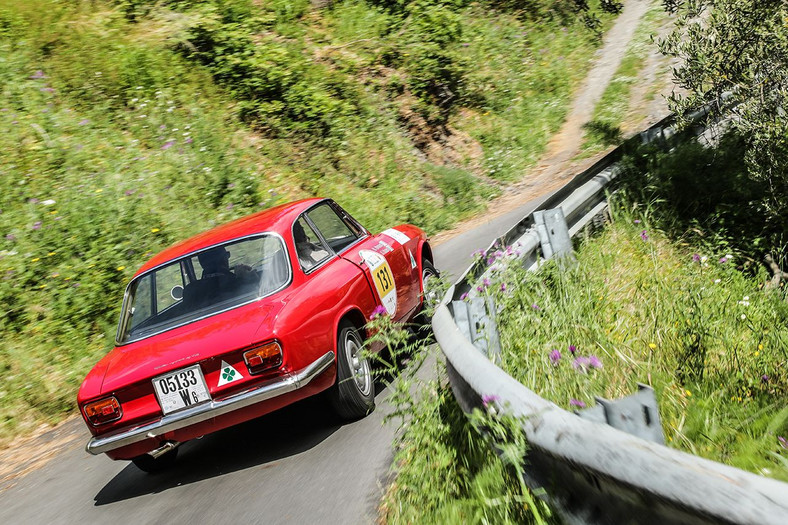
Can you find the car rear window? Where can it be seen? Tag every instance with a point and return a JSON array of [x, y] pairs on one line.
[[202, 284]]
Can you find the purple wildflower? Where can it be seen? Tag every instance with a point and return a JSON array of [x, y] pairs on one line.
[[168, 144], [379, 310], [486, 282], [535, 306], [503, 287], [47, 90], [577, 403], [464, 296], [695, 257], [637, 221], [188, 140], [488, 399], [555, 356], [594, 362], [10, 237], [38, 74], [162, 127], [783, 442], [84, 122], [581, 364], [572, 349], [37, 225], [129, 193], [644, 235], [765, 378], [723, 260], [478, 253], [229, 206], [32, 201]]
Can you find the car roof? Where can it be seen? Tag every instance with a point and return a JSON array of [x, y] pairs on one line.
[[277, 219]]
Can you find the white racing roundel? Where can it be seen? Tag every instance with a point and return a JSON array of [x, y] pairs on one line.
[[383, 279]]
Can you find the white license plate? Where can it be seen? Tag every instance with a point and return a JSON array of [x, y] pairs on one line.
[[181, 389]]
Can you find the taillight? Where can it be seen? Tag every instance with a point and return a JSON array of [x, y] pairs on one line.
[[103, 411], [263, 357]]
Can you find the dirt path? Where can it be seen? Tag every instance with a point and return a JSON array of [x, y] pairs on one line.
[[551, 173], [556, 166]]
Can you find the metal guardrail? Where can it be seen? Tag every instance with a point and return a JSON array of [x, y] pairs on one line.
[[595, 473]]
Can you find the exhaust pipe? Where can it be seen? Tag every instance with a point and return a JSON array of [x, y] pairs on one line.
[[168, 446]]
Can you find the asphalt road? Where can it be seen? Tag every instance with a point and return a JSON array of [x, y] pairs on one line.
[[298, 465]]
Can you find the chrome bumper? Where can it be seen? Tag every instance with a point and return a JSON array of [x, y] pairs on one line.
[[200, 413]]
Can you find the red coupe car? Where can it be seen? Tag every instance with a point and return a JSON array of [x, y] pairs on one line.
[[245, 319]]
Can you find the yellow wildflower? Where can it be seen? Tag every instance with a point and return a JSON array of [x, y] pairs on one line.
[[154, 230], [652, 345], [37, 259], [121, 268]]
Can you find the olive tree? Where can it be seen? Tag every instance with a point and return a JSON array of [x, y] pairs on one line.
[[733, 54]]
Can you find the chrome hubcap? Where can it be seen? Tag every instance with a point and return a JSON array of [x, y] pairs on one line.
[[430, 296], [359, 365]]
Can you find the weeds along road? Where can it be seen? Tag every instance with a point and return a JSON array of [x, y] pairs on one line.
[[298, 465]]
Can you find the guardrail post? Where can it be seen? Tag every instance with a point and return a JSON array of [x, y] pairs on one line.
[[476, 320], [553, 233], [637, 414]]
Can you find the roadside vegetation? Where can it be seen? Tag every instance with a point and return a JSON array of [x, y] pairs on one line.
[[672, 294], [450, 467], [130, 124]]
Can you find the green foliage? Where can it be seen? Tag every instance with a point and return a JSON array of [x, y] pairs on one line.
[[706, 194], [446, 466], [738, 48], [640, 308]]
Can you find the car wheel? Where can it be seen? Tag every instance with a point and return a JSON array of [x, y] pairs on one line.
[[353, 394], [151, 465], [428, 272]]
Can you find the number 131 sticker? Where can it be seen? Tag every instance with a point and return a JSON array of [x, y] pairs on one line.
[[383, 278]]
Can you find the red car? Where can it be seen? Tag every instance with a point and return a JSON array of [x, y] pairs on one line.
[[245, 319]]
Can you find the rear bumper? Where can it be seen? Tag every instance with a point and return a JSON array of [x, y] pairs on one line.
[[198, 414]]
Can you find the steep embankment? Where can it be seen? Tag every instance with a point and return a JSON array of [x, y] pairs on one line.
[[128, 125]]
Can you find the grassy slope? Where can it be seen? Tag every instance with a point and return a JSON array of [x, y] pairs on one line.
[[705, 336], [139, 146]]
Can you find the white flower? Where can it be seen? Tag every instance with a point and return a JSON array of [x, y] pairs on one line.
[[717, 281], [48, 202], [743, 317], [704, 259]]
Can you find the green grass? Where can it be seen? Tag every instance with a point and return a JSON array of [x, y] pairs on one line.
[[524, 76], [446, 467], [611, 111], [143, 134], [707, 337]]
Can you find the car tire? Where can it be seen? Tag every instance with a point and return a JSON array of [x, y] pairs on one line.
[[353, 394], [428, 271], [151, 465]]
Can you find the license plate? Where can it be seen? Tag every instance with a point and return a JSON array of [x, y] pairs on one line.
[[181, 389]]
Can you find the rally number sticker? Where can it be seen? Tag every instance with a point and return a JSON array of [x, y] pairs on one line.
[[383, 279]]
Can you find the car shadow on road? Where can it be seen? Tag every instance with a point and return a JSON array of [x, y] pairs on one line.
[[289, 431]]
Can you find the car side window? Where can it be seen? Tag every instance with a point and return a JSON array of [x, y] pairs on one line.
[[334, 229], [310, 249]]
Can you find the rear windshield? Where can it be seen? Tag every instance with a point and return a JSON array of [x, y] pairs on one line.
[[202, 284]]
